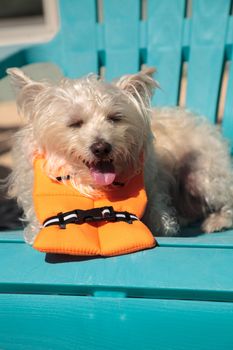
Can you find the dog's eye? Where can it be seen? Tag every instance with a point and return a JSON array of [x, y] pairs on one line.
[[77, 124], [114, 118]]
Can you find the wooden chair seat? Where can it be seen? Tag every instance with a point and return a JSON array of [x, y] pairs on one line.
[[180, 294]]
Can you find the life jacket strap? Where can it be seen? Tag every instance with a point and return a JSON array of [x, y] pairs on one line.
[[79, 216]]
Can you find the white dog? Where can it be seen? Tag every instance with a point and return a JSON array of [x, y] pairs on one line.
[[100, 134]]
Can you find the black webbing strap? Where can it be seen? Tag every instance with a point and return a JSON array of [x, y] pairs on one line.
[[79, 216]]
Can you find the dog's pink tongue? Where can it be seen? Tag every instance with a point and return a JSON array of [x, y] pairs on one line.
[[103, 173], [103, 179]]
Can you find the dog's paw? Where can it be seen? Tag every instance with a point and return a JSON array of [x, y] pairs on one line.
[[216, 222]]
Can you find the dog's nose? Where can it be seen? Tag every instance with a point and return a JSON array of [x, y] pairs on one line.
[[101, 148]]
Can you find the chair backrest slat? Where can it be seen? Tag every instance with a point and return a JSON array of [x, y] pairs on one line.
[[79, 37], [164, 46], [206, 58], [75, 47], [121, 37], [227, 125]]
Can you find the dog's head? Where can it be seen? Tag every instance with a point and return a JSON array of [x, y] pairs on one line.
[[92, 130]]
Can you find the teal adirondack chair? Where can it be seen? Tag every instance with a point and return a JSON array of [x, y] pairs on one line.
[[178, 295]]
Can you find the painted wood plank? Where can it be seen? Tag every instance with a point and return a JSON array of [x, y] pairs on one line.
[[194, 238], [227, 126], [49, 52], [191, 237], [164, 47], [11, 236], [67, 322], [75, 47], [121, 37], [163, 272], [229, 39], [207, 44]]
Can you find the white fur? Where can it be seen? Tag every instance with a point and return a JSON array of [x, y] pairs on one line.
[[188, 173]]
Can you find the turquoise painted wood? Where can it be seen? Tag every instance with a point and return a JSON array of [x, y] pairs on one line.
[[109, 323], [228, 112], [164, 50], [178, 295], [121, 37], [163, 272], [207, 44], [191, 237], [74, 49]]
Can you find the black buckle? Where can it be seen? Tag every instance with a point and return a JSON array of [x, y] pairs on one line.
[[128, 219], [109, 215], [80, 216], [95, 214], [61, 223]]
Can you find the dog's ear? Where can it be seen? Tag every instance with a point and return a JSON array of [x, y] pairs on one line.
[[26, 90], [140, 85], [18, 79]]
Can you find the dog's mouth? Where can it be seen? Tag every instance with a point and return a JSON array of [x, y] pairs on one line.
[[103, 172]]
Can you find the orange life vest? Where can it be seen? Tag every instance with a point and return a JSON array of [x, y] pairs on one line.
[[104, 238]]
